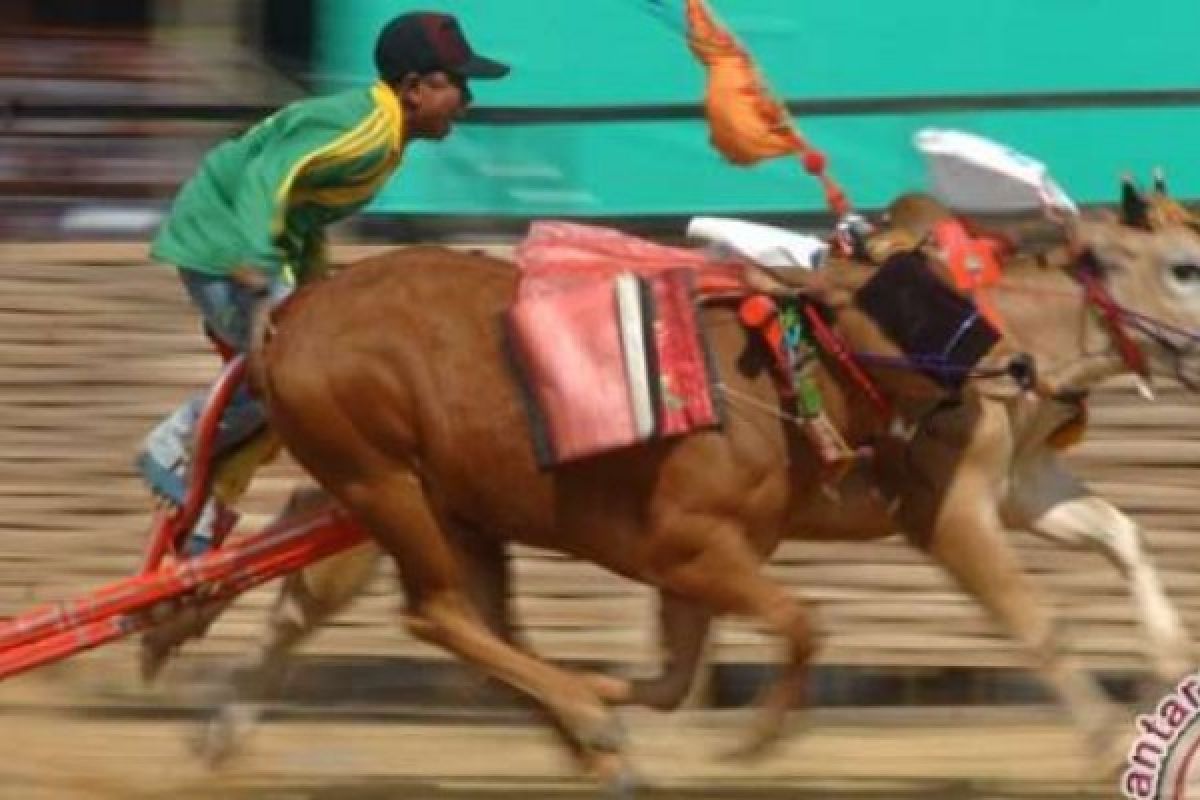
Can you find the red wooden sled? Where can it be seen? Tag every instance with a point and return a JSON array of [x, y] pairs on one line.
[[56, 631]]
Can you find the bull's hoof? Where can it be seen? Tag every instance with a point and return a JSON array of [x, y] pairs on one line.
[[178, 624], [603, 737], [1175, 663], [607, 762], [153, 655], [764, 739], [1107, 743], [223, 735], [753, 749], [619, 779]]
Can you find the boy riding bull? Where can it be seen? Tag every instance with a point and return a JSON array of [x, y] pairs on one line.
[[249, 226]]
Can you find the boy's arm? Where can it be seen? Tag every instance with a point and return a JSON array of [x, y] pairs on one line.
[[315, 256]]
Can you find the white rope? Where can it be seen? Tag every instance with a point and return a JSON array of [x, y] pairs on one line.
[[751, 400], [900, 427]]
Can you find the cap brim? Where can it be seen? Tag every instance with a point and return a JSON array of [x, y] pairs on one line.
[[482, 68]]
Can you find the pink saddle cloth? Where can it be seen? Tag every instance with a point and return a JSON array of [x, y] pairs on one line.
[[606, 340], [559, 255]]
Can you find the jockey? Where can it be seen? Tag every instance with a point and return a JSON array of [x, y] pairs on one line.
[[249, 225]]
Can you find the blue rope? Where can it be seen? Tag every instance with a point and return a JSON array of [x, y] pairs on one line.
[[960, 333], [929, 362]]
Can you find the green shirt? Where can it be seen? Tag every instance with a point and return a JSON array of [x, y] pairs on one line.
[[263, 200]]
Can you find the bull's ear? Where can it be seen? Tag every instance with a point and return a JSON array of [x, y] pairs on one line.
[[1134, 209]]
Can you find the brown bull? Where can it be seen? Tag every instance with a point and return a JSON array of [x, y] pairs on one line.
[[441, 449], [389, 384]]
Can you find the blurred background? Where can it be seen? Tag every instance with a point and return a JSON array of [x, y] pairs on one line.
[[106, 107]]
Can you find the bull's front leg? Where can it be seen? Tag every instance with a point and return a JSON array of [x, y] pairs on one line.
[[1051, 502], [951, 508], [683, 632]]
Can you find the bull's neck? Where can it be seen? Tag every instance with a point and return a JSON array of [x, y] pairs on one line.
[[1046, 314]]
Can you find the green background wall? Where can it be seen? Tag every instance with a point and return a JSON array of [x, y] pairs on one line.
[[580, 54]]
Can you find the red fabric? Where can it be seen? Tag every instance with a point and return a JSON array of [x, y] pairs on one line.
[[974, 264], [569, 344], [747, 125], [567, 332], [560, 255], [687, 402]]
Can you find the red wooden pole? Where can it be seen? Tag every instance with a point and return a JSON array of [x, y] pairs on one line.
[[168, 528], [53, 632]]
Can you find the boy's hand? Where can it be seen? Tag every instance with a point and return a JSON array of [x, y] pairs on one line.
[[255, 280]]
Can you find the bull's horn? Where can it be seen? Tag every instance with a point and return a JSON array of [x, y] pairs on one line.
[[1134, 210], [1160, 181]]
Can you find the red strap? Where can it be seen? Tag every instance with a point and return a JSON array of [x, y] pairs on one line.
[[1098, 295], [759, 312], [833, 344]]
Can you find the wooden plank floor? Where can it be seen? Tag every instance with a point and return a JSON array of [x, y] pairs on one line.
[[65, 754]]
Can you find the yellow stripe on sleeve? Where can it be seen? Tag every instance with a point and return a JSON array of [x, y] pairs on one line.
[[364, 131]]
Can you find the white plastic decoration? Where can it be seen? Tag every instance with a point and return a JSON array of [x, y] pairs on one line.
[[762, 244], [972, 173]]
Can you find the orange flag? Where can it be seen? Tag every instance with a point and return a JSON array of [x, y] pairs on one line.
[[746, 123]]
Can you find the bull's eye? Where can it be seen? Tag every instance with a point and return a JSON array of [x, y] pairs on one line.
[[1185, 272]]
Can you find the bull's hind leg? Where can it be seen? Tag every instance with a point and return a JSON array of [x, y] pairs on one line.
[[394, 507], [489, 584], [306, 601], [1051, 502]]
